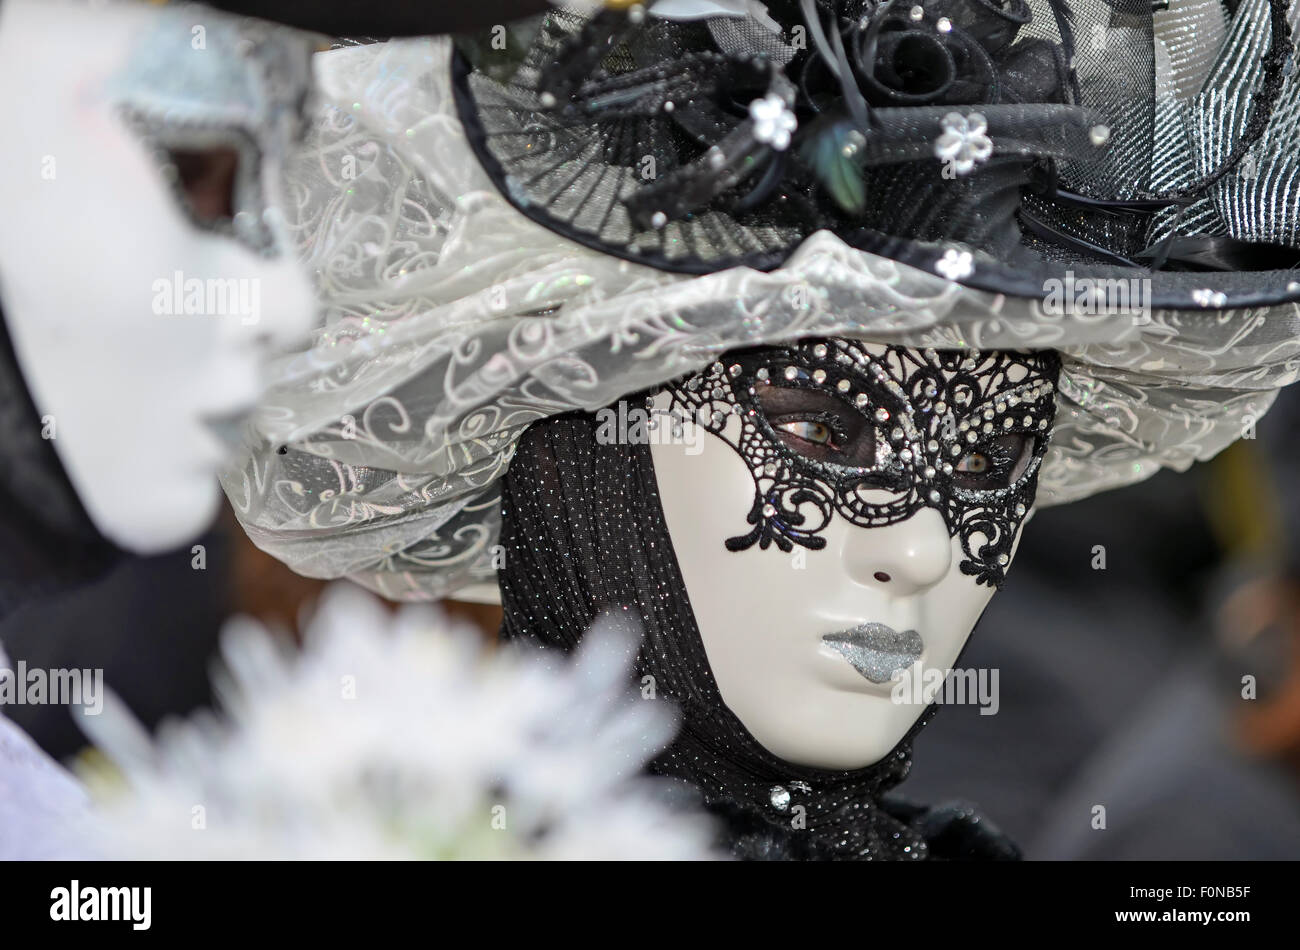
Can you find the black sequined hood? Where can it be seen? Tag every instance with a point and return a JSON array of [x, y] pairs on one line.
[[584, 535]]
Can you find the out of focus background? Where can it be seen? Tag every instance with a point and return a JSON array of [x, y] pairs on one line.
[[1148, 710]]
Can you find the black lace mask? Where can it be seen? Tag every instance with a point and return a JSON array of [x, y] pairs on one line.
[[827, 426]]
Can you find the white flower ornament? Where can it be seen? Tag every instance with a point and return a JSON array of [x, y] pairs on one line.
[[964, 142], [774, 122], [955, 264]]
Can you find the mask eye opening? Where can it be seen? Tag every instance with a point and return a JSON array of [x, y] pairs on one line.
[[215, 174], [207, 178]]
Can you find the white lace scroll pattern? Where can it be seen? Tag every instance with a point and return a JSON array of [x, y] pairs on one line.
[[451, 322]]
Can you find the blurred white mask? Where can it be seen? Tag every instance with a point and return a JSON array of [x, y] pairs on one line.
[[144, 273]]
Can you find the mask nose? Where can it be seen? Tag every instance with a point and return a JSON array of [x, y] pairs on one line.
[[275, 309], [901, 558]]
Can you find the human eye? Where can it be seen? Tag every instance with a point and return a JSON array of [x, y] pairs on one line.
[[818, 425], [811, 431], [995, 463]]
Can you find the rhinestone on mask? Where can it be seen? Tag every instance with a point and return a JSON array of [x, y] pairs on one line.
[[927, 407]]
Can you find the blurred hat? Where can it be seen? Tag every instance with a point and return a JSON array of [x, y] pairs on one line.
[[392, 18]]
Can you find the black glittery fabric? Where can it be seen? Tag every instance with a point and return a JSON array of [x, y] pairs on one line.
[[568, 109], [1035, 133], [565, 116], [584, 535]]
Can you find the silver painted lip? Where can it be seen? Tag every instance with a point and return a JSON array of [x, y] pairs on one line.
[[877, 650]]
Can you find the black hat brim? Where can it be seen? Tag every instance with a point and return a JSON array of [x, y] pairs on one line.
[[386, 18]]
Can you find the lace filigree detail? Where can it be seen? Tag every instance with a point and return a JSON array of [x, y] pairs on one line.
[[927, 412]]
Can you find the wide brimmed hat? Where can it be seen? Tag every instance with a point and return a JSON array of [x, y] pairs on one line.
[[455, 318]]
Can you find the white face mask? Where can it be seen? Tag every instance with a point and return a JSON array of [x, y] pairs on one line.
[[141, 308], [806, 623]]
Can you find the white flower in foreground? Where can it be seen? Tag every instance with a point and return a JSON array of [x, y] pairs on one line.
[[399, 736], [42, 808]]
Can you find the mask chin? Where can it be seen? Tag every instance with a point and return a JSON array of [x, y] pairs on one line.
[[175, 510]]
